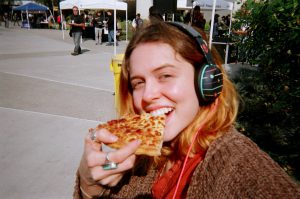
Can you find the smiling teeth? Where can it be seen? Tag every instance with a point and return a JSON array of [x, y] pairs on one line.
[[161, 111]]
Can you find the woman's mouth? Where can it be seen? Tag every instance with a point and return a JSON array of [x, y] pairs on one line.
[[161, 111]]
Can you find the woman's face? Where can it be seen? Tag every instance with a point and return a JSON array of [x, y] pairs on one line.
[[163, 83]]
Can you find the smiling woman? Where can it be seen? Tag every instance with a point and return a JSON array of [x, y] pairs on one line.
[[169, 70]]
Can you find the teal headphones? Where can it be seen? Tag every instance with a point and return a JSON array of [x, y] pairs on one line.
[[208, 77]]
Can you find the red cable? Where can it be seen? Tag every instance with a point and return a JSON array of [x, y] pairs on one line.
[[190, 148]]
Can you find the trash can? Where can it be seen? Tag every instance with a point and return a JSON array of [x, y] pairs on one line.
[[115, 67]]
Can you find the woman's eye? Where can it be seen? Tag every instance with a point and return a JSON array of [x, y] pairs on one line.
[[137, 84], [164, 76]]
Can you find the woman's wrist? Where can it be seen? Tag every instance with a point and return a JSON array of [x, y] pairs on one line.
[[90, 191], [90, 194]]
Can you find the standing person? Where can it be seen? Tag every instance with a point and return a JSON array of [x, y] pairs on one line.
[[155, 15], [98, 25], [187, 18], [216, 25], [16, 19], [137, 22], [58, 20], [110, 27], [77, 25], [168, 69], [198, 20], [6, 20]]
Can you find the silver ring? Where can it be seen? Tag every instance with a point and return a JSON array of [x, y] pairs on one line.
[[107, 158], [109, 165], [93, 136]]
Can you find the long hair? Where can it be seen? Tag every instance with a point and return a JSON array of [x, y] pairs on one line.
[[227, 107]]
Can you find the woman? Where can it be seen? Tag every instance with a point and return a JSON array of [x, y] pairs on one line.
[[203, 156], [198, 18]]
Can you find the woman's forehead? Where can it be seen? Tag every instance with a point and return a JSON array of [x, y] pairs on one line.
[[154, 56]]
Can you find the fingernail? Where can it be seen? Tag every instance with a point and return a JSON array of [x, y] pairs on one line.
[[113, 138], [138, 141]]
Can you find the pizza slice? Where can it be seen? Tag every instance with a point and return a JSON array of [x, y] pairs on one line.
[[145, 127]]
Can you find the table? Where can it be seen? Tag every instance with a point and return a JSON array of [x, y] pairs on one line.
[[44, 25]]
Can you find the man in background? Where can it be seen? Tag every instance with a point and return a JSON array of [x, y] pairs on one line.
[[98, 25], [137, 22], [110, 27], [77, 24]]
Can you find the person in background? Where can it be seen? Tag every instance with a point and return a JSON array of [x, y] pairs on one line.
[[216, 25], [98, 25], [16, 19], [187, 18], [6, 20], [58, 20], [168, 69], [77, 25], [137, 22], [110, 27], [198, 19], [155, 15]]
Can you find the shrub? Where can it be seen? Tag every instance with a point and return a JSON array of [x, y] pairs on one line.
[[271, 93]]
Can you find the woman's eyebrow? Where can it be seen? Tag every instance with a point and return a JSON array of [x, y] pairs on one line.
[[155, 70]]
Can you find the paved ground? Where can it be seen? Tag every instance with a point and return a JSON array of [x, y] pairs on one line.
[[48, 100]]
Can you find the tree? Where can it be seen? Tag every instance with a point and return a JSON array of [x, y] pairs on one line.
[[271, 93]]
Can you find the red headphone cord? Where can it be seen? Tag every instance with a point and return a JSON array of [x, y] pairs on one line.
[[190, 147]]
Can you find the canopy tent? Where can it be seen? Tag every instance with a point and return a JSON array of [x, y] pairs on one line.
[[29, 7], [212, 5], [93, 4], [97, 4], [204, 4]]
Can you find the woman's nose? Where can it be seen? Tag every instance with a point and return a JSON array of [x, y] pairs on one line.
[[152, 91]]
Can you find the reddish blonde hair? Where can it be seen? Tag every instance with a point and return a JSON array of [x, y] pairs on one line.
[[227, 107]]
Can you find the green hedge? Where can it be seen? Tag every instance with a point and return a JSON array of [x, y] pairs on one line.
[[271, 93]]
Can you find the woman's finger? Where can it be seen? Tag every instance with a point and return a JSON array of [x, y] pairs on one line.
[[101, 135], [111, 180], [123, 153], [98, 173]]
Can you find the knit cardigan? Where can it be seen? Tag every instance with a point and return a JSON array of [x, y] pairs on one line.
[[233, 167]]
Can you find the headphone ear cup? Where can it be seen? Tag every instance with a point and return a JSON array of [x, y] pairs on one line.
[[209, 83]]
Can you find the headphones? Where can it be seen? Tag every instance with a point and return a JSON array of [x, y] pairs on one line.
[[208, 78]]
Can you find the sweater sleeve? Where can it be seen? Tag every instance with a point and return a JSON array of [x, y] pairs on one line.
[[234, 167]]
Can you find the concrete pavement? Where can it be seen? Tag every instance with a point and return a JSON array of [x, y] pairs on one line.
[[48, 101]]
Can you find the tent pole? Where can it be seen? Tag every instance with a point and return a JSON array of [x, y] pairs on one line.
[[126, 24], [212, 24], [115, 29], [83, 20], [27, 19], [229, 32], [62, 25]]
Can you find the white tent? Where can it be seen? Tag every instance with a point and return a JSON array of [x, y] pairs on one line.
[[204, 4], [93, 4], [212, 5], [97, 4]]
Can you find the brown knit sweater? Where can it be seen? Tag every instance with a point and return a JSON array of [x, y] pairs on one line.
[[233, 167]]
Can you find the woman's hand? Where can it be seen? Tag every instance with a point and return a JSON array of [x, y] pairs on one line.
[[91, 171]]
